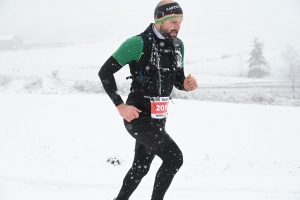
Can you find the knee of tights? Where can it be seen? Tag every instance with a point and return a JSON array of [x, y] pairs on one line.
[[178, 163], [141, 170]]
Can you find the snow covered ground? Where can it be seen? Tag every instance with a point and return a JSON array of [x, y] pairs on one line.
[[58, 128], [55, 147]]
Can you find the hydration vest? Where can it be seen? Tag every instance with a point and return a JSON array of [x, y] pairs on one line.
[[154, 64]]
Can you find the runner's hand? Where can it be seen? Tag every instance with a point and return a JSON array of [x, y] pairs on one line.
[[190, 83], [128, 112]]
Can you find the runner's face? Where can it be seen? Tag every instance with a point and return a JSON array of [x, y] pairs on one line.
[[170, 28]]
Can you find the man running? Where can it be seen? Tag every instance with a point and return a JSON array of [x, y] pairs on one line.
[[155, 58]]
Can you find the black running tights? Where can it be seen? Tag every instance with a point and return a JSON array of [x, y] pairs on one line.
[[172, 160]]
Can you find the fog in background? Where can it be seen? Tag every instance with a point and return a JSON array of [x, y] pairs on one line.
[[226, 22]]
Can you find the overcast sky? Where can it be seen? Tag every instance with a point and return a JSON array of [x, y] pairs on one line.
[[72, 20]]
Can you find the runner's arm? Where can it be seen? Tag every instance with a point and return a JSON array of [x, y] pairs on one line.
[[107, 78], [129, 50], [179, 78]]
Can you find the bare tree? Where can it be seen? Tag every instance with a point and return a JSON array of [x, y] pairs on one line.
[[291, 58]]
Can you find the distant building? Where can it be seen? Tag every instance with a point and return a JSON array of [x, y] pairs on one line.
[[10, 42]]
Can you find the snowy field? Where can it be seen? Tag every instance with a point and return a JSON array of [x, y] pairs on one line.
[[55, 138], [58, 128], [55, 147]]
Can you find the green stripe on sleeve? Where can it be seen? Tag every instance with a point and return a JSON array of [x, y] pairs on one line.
[[130, 50]]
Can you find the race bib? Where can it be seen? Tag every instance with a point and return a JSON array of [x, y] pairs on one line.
[[159, 107]]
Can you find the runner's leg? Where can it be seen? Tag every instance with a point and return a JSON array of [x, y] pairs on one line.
[[140, 167], [172, 160]]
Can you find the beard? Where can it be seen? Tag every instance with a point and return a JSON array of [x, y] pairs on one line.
[[169, 35]]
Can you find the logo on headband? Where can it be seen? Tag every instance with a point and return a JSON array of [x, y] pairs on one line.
[[172, 8]]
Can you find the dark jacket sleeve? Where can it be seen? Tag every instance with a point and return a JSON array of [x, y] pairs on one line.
[[179, 79], [107, 78]]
